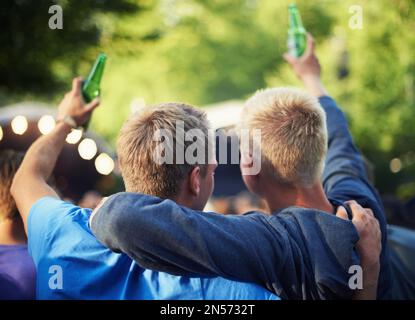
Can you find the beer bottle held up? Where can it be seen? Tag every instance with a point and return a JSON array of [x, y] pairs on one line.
[[297, 35], [91, 87]]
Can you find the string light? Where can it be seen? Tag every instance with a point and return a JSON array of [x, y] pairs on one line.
[[395, 165], [104, 164], [87, 149], [46, 124], [74, 136], [19, 125]]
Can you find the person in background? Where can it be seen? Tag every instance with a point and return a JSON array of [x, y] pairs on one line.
[[244, 202], [17, 271], [90, 199]]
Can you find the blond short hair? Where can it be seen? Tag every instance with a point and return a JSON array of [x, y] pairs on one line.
[[136, 147], [293, 133], [9, 163]]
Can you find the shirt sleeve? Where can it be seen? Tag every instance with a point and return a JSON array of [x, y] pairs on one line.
[[345, 178], [161, 235], [46, 217], [344, 164]]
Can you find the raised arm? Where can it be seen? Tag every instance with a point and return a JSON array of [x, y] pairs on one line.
[[344, 177], [30, 182]]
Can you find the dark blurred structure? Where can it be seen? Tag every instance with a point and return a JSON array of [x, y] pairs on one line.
[[228, 179], [343, 66], [399, 213], [230, 195], [401, 242]]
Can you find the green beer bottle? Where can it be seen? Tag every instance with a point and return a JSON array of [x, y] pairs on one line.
[[297, 36], [91, 87]]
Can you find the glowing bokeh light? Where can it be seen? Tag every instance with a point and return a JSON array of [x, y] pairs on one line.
[[104, 164], [46, 124], [87, 149], [137, 104], [19, 125], [395, 165], [74, 136], [1, 133]]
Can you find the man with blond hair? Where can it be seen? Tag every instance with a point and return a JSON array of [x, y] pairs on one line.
[[309, 169], [70, 262]]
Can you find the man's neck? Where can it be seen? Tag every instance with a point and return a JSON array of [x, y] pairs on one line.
[[12, 232], [186, 202], [312, 197]]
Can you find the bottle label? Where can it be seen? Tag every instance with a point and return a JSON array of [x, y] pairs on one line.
[[292, 47], [296, 44]]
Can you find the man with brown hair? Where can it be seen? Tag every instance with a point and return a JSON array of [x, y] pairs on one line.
[[143, 172], [17, 272]]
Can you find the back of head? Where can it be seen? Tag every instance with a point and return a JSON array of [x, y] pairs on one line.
[[293, 133], [138, 143], [9, 163]]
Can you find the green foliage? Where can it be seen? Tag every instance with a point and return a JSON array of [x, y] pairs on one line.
[[34, 58]]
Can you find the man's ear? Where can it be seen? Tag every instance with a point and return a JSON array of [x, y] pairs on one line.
[[247, 164], [250, 179], [252, 182], [194, 180]]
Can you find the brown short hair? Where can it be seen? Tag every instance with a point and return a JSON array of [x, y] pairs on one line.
[[136, 146], [293, 133], [9, 163]]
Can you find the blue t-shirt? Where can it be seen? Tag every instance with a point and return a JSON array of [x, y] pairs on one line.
[[17, 273], [72, 264]]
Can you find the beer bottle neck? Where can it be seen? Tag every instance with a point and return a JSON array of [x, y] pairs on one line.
[[295, 19], [97, 70], [97, 74]]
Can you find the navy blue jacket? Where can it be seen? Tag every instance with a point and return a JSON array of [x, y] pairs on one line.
[[297, 253]]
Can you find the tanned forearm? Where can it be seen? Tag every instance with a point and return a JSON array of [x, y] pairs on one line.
[[30, 182], [40, 159], [314, 86], [308, 70]]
